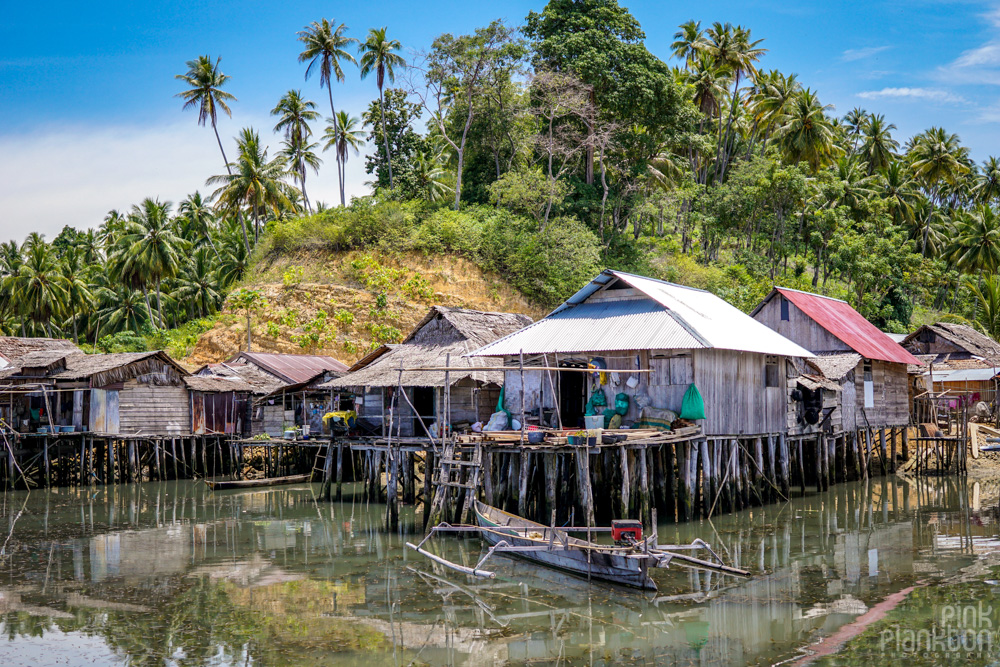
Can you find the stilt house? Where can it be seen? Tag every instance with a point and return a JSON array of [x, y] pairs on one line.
[[133, 393], [857, 379], [285, 387], [655, 339], [443, 336], [219, 404], [959, 360]]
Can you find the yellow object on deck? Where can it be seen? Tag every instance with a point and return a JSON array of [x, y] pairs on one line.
[[349, 417]]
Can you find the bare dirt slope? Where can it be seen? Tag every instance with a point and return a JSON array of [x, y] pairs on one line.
[[343, 304]]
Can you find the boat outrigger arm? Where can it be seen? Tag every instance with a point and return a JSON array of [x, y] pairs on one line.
[[646, 552]]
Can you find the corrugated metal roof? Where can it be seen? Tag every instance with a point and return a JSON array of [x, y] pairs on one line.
[[292, 368], [849, 326], [964, 375], [673, 317]]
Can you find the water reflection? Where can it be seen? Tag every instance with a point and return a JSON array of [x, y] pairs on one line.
[[172, 573]]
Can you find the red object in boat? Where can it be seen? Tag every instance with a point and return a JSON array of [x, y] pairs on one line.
[[623, 530]]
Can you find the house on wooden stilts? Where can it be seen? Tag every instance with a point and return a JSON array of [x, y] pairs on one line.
[[852, 396], [444, 336], [649, 343]]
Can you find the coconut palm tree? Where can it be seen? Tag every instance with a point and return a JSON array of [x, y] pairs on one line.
[[343, 135], [149, 250], [197, 286], [987, 295], [976, 246], [807, 133], [378, 56], [688, 42], [300, 156], [878, 148], [987, 188], [77, 283], [205, 93], [200, 219], [324, 47], [258, 183], [900, 191], [710, 83], [928, 227], [854, 123], [430, 174], [936, 157], [39, 284]]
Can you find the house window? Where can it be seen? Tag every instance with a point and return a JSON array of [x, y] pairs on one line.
[[784, 309], [869, 385], [771, 371]]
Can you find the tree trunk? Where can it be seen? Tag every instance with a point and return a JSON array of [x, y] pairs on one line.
[[149, 309], [333, 117], [159, 305], [385, 137]]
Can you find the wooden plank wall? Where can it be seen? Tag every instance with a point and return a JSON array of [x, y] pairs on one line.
[[799, 328], [736, 400], [154, 409], [891, 394]]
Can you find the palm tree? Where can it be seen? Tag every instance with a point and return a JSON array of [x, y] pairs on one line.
[[257, 184], [199, 217], [936, 158], [300, 155], [122, 308], [710, 83], [429, 175], [206, 82], [899, 190], [775, 92], [76, 281], [928, 226], [854, 123], [378, 55], [295, 114], [987, 188], [807, 134], [325, 46], [343, 134], [988, 305], [149, 250], [197, 286], [976, 247], [856, 186], [39, 285], [688, 42], [878, 148]]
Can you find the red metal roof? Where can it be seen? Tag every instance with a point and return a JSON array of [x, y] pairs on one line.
[[292, 368], [849, 326]]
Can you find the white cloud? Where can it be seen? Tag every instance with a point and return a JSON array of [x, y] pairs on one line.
[[979, 64], [58, 176], [926, 94], [860, 54]]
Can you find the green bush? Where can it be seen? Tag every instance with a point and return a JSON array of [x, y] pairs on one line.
[[449, 231]]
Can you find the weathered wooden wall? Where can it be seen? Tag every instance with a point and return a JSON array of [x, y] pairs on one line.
[[891, 393], [151, 409], [799, 328], [104, 411]]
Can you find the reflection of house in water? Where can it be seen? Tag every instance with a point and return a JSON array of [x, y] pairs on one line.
[[141, 553]]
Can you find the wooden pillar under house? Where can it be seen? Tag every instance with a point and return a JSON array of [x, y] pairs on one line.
[[583, 481]]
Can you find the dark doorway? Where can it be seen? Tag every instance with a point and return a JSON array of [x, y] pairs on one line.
[[572, 397], [423, 401]]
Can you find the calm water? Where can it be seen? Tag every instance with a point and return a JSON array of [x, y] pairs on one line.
[[173, 574]]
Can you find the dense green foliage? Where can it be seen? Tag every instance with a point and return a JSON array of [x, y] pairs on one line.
[[544, 153]]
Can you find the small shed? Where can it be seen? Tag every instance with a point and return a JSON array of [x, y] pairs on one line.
[[443, 336], [869, 367], [655, 340], [133, 393], [219, 404]]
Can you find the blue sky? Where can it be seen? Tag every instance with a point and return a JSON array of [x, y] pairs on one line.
[[88, 121]]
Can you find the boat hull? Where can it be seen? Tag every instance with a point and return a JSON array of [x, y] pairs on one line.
[[222, 485], [603, 565]]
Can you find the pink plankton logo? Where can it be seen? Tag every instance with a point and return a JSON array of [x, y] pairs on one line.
[[957, 632]]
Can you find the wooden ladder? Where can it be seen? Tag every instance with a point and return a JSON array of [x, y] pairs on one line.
[[456, 471]]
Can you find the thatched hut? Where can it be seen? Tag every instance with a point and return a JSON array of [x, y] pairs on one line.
[[219, 404], [130, 393], [443, 337]]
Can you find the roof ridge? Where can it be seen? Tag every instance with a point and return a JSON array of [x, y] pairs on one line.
[[779, 288]]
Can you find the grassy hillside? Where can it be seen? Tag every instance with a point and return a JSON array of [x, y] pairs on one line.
[[344, 303]]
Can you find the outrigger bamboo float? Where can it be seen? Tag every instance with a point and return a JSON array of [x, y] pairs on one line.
[[626, 563], [224, 484]]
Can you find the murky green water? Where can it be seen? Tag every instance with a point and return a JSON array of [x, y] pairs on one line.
[[173, 574]]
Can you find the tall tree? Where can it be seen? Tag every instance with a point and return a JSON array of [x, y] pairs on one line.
[[324, 47], [807, 133], [379, 57], [689, 42], [205, 81], [39, 284], [77, 284], [343, 135], [878, 148]]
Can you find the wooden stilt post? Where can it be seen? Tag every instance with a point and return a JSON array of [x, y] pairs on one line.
[[881, 449], [626, 482], [583, 481], [783, 466], [644, 504], [523, 476], [340, 471], [550, 483]]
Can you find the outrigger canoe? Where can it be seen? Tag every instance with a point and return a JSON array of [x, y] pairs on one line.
[[222, 485], [624, 564], [617, 565]]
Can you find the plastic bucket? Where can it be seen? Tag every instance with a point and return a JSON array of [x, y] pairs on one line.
[[593, 422]]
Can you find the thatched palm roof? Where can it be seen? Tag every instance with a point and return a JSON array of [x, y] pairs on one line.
[[218, 384], [261, 382], [441, 332], [102, 369], [965, 337], [14, 347]]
